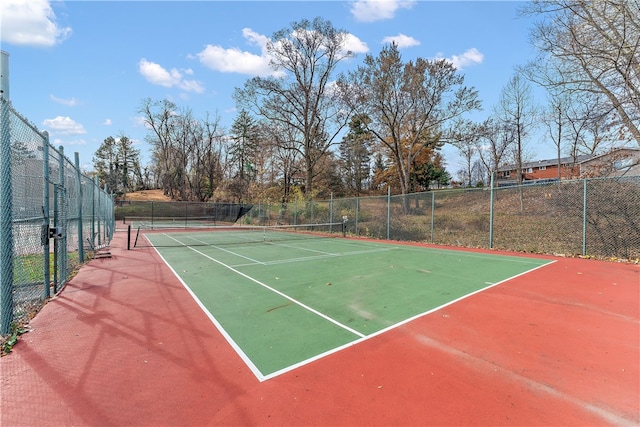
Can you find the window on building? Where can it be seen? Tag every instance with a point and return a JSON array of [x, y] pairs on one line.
[[542, 168]]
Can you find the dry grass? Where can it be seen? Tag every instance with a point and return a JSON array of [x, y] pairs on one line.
[[545, 219], [147, 196]]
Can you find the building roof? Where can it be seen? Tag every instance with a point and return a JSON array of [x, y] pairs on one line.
[[569, 160], [612, 151]]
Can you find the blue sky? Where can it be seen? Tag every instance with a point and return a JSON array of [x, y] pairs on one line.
[[80, 69]]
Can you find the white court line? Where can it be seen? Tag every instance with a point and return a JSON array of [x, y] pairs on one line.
[[300, 259], [254, 261], [301, 249], [293, 300], [394, 326], [245, 358], [284, 261], [261, 377]]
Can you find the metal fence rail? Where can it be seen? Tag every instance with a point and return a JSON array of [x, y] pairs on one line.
[[49, 212], [595, 217]]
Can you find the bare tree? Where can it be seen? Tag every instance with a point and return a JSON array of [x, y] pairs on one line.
[[187, 152], [208, 158], [158, 116], [578, 121], [588, 119], [516, 110], [284, 159], [465, 135], [493, 143], [555, 119], [409, 104], [597, 44], [304, 100]]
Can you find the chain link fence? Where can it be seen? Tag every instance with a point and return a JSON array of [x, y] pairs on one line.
[[52, 218], [590, 217], [597, 217]]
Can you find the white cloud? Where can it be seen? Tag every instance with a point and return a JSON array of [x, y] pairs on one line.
[[158, 75], [255, 38], [234, 60], [401, 40], [64, 126], [140, 121], [469, 57], [30, 23], [107, 122], [378, 10], [71, 102], [78, 141], [355, 45]]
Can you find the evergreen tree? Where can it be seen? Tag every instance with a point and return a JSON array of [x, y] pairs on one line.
[[244, 136], [117, 164], [355, 155]]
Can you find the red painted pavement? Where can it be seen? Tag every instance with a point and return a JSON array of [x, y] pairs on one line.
[[124, 344]]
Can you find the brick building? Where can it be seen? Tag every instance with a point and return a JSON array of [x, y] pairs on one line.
[[616, 162]]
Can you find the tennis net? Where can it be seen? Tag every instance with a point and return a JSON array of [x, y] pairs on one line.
[[234, 235], [168, 223]]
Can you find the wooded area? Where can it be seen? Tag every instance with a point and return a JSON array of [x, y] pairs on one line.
[[307, 131]]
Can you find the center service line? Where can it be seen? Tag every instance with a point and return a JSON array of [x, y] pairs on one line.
[[293, 300]]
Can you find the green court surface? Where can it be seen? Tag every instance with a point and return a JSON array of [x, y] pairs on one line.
[[284, 303]]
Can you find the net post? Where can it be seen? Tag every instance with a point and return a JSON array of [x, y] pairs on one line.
[[137, 234], [129, 237]]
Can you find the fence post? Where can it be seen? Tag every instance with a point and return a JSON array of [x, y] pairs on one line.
[[112, 212], [109, 222], [6, 203], [46, 220], [93, 213], [79, 204], [331, 212], [491, 213], [584, 217], [97, 184], [104, 214], [56, 248], [357, 213], [63, 220], [388, 211], [433, 215]]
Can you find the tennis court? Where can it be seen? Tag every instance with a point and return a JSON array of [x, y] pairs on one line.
[[125, 343], [285, 297]]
